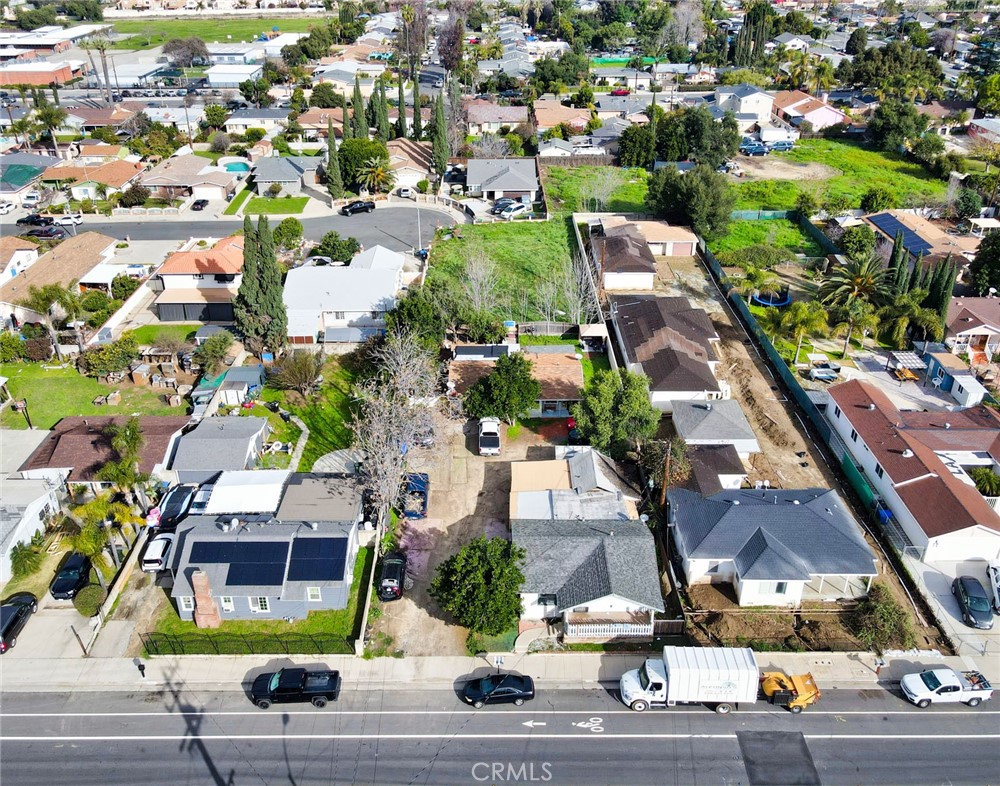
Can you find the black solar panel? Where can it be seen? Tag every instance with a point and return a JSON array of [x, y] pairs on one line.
[[891, 227], [255, 551], [250, 574], [318, 559]]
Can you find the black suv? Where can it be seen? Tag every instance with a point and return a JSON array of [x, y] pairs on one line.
[[390, 584], [72, 577], [360, 206], [35, 220], [14, 615]]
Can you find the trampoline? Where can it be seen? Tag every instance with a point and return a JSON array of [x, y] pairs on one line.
[[772, 299]]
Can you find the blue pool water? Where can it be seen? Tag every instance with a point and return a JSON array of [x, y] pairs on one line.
[[237, 166]]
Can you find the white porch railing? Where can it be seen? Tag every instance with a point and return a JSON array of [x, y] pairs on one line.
[[607, 630]]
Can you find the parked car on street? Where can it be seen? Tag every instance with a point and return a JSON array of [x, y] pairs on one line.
[[359, 206], [946, 686], [72, 577], [513, 211], [46, 233], [974, 602], [289, 686], [392, 577], [157, 556], [6, 207], [72, 219], [35, 220], [199, 204], [14, 613], [489, 437], [621, 91], [507, 688]]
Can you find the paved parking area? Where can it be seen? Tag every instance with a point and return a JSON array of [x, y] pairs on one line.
[[56, 630]]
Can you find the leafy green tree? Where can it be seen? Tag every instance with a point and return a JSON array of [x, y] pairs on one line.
[[480, 585], [298, 370], [255, 91], [806, 204], [331, 171], [877, 199], [246, 315], [928, 149], [440, 149], [987, 481], [288, 234], [216, 116], [383, 125], [862, 279], [339, 249], [857, 42], [346, 125], [325, 96], [894, 124], [507, 392], [134, 196], [988, 96], [426, 312], [856, 315], [52, 119], [968, 204], [701, 198], [903, 312], [353, 155], [113, 356], [985, 268], [635, 147], [272, 304], [804, 318], [858, 241], [25, 559], [615, 412], [899, 266], [212, 353], [753, 280]]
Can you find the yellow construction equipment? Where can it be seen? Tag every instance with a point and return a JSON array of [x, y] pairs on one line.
[[795, 692]]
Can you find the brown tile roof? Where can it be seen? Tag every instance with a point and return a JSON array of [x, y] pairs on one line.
[[940, 502], [69, 261], [79, 443], [549, 112], [967, 313], [316, 117], [114, 174], [225, 257], [784, 98], [559, 374], [624, 250], [101, 117], [405, 153], [102, 150], [10, 244], [480, 111]]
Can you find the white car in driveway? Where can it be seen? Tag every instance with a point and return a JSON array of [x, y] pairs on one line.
[[489, 437], [513, 211], [157, 556], [73, 219], [6, 207]]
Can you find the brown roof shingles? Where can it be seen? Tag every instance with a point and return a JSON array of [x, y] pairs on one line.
[[69, 261]]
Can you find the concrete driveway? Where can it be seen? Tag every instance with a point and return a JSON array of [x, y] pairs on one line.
[[935, 582], [54, 631]]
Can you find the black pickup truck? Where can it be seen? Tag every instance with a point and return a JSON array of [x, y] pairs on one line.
[[295, 685]]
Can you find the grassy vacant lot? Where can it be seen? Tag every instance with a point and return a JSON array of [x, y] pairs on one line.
[[276, 207], [154, 334], [345, 622], [325, 413], [53, 394], [779, 232], [147, 33], [566, 190], [861, 169]]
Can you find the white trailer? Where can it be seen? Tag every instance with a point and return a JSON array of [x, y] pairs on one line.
[[723, 677]]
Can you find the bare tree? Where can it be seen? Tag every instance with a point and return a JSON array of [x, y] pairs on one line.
[[406, 368], [578, 294], [491, 146], [299, 370], [451, 41], [602, 186], [687, 23], [547, 298], [943, 40], [480, 282]]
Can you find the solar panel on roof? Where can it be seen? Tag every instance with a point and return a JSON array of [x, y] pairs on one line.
[[318, 559], [262, 551], [249, 574], [892, 226]]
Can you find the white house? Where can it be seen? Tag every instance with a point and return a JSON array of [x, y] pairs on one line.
[[623, 259], [268, 119], [493, 178], [558, 148], [199, 283], [231, 54], [751, 105], [27, 503], [230, 74], [777, 547], [16, 256], [973, 327], [916, 463]]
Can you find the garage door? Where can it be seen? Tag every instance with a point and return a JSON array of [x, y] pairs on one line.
[[684, 249], [207, 192]]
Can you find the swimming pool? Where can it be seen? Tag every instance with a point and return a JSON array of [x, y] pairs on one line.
[[237, 166]]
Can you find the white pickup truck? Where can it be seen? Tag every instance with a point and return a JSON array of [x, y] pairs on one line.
[[946, 686]]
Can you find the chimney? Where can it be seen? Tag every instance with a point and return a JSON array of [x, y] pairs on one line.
[[206, 610]]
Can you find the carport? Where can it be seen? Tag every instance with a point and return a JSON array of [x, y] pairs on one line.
[[195, 305]]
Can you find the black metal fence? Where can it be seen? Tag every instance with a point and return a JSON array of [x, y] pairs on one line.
[[246, 644]]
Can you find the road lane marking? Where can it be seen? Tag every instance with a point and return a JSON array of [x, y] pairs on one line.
[[916, 713], [491, 736]]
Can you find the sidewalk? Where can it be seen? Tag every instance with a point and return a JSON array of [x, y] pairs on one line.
[[552, 671]]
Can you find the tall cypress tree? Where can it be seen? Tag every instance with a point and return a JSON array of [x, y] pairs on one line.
[[934, 285], [334, 180], [899, 264], [948, 289], [347, 123], [358, 112], [919, 278], [401, 120], [274, 316], [440, 146], [418, 121], [246, 314], [384, 127]]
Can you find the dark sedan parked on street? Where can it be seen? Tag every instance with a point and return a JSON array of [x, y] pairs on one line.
[[14, 615], [973, 601], [359, 206], [499, 689], [72, 577], [46, 233], [35, 220]]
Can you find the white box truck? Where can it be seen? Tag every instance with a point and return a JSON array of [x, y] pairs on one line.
[[723, 677]]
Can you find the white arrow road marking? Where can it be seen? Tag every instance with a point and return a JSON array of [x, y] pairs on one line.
[[532, 723]]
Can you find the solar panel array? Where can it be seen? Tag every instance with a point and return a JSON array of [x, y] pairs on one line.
[[891, 227], [318, 559], [251, 562]]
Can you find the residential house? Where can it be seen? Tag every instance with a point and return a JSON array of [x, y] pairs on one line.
[[557, 148], [628, 108], [291, 173], [16, 256], [714, 468], [629, 77], [922, 238], [19, 172], [777, 547], [189, 175], [316, 120], [515, 64], [672, 344], [97, 182], [27, 504], [549, 112], [330, 304], [598, 578], [199, 284], [229, 53], [342, 75], [715, 423], [750, 105], [77, 447], [985, 128], [580, 483], [916, 463], [93, 152], [603, 140], [88, 119], [186, 119], [492, 178], [271, 545], [486, 117], [972, 327], [229, 75], [273, 44], [792, 42], [867, 104], [218, 444], [555, 367], [240, 121], [796, 107], [411, 161], [945, 116], [622, 258], [666, 240]]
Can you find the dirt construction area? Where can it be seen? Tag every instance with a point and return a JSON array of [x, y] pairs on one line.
[[774, 167]]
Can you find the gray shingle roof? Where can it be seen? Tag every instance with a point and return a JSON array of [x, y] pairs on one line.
[[503, 174], [581, 561], [242, 115], [218, 444], [280, 169], [777, 535], [718, 420]]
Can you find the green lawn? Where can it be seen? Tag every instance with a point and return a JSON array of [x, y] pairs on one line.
[[155, 334], [860, 169], [345, 623], [592, 363], [276, 207], [147, 33], [53, 394], [213, 157], [325, 413], [237, 202], [779, 232]]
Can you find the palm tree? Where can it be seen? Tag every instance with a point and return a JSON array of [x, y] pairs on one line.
[[772, 322], [896, 318], [126, 439], [96, 517], [376, 175], [52, 118], [857, 279], [753, 281], [91, 541], [69, 301], [821, 77], [26, 128], [859, 315], [804, 318], [799, 67]]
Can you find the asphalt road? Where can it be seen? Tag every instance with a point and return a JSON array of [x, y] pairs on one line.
[[380, 736], [394, 228]]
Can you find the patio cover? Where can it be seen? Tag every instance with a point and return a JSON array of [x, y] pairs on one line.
[[908, 360]]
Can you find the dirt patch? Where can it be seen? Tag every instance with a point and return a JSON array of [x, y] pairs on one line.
[[777, 168], [142, 602]]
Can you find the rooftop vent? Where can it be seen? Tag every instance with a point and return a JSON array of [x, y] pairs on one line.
[[907, 453], [947, 425], [796, 502], [314, 526], [871, 407]]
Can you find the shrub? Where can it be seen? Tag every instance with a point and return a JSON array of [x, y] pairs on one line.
[[88, 600], [113, 356], [38, 349], [483, 328], [33, 330], [135, 196], [423, 186], [273, 190], [758, 255], [857, 241], [123, 286], [220, 142], [254, 135], [881, 623], [11, 347], [876, 200], [95, 300], [288, 234], [24, 560]]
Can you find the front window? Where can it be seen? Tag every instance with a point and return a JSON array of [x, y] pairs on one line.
[[260, 604], [643, 678], [780, 588], [227, 603], [314, 594], [187, 603], [272, 686], [977, 603]]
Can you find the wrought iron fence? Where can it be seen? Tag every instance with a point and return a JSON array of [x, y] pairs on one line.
[[246, 644]]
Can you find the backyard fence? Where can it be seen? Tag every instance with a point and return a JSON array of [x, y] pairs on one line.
[[561, 329], [246, 644]]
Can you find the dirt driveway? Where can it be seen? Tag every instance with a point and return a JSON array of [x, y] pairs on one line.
[[469, 497], [776, 167]]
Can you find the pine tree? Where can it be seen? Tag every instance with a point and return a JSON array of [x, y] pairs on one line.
[[401, 120], [272, 307], [440, 147], [358, 112], [384, 127], [934, 286], [347, 124], [947, 290], [246, 313], [418, 121], [334, 180]]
